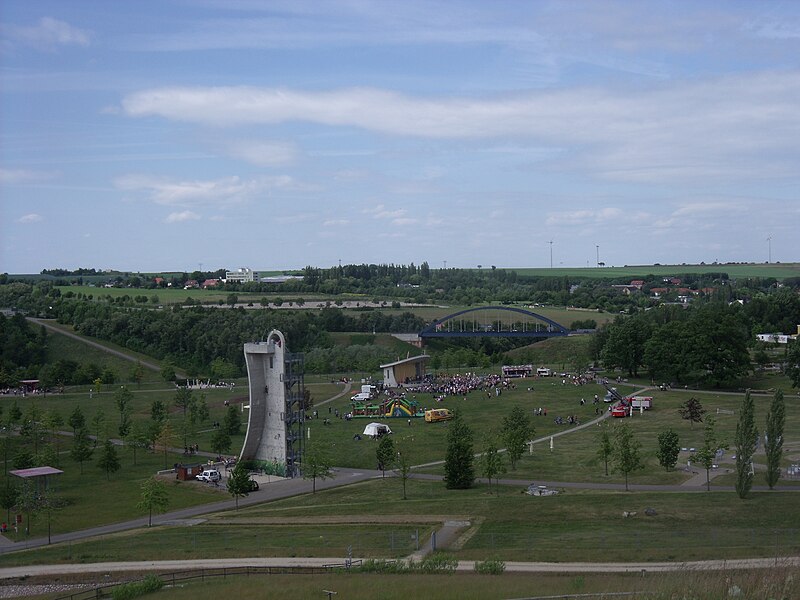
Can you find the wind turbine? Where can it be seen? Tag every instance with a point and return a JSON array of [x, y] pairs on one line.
[[769, 243]]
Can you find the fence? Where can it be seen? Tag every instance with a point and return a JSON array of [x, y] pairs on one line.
[[202, 574]]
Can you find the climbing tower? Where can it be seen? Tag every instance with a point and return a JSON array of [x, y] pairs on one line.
[[276, 421]]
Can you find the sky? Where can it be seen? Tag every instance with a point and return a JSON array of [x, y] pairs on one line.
[[176, 135]]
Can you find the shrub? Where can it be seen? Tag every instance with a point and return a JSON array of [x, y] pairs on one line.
[[490, 567], [438, 563], [149, 584]]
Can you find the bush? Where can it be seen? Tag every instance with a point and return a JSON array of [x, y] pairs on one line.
[[151, 583], [438, 563], [372, 565], [490, 567]]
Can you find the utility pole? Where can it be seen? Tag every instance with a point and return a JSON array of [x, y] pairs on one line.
[[551, 253]]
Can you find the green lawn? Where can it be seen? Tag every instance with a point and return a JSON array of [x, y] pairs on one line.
[[470, 586]]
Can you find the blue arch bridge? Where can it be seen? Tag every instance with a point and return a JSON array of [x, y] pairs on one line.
[[494, 321]]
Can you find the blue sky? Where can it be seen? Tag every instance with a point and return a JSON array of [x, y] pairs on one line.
[[169, 134]]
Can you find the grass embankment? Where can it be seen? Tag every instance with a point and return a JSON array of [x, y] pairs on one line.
[[763, 584]]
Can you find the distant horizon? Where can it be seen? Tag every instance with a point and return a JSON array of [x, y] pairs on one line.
[[277, 270]]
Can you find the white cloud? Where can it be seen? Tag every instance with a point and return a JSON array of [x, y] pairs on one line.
[[47, 34], [336, 223], [29, 218], [178, 217], [20, 176], [211, 192], [263, 153], [380, 212], [738, 126]]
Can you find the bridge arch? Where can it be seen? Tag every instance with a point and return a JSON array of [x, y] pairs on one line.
[[438, 327]]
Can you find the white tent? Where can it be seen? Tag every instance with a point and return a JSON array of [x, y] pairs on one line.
[[376, 430]]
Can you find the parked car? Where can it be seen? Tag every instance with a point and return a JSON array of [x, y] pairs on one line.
[[209, 475]]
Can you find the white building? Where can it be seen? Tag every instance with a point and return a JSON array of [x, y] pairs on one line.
[[241, 275]]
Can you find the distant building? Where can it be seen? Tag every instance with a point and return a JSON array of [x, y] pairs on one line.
[[408, 370], [241, 275], [778, 338], [209, 283]]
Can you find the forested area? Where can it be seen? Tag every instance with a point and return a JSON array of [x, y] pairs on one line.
[[707, 342]]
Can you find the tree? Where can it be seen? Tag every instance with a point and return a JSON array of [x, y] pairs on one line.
[[459, 470], [232, 422], [239, 482], [403, 462], [158, 411], [76, 419], [626, 451], [154, 498], [165, 438], [137, 438], [668, 448], [745, 443], [385, 453], [793, 362], [491, 461], [692, 411], [122, 398], [183, 399], [517, 431], [98, 425], [109, 459], [81, 447], [708, 451], [773, 444], [316, 464], [137, 373], [14, 414], [605, 446], [168, 372], [220, 442]]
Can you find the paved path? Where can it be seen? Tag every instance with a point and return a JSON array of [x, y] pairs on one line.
[[48, 325], [463, 565]]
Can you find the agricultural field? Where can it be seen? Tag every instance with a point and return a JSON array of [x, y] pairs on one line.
[[734, 271]]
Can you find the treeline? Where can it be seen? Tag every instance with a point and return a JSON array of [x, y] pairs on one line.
[[194, 337], [23, 350]]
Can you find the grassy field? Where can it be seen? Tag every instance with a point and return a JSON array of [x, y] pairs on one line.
[[583, 526], [778, 583], [734, 271]]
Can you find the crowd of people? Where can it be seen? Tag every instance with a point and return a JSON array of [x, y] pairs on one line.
[[443, 386]]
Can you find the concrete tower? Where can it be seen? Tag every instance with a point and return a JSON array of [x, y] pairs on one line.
[[275, 423]]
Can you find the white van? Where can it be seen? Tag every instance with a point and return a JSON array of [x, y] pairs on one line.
[[209, 475], [543, 372]]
